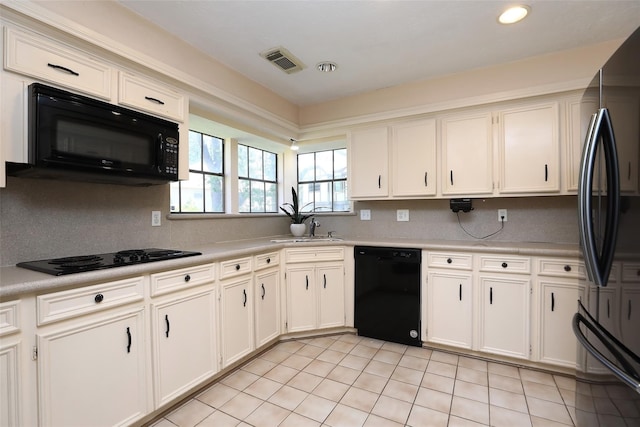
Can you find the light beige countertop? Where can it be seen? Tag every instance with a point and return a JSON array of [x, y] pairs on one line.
[[16, 281]]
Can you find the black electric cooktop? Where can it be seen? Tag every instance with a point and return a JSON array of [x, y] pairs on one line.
[[82, 263]]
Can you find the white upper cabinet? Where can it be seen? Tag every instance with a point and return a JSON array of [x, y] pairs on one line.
[[150, 96], [413, 159], [467, 154], [54, 62], [368, 152], [578, 112], [625, 115], [529, 148]]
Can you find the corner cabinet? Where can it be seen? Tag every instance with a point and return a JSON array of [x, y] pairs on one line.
[[368, 158], [315, 288]]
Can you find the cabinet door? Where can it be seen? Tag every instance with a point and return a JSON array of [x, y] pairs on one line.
[[414, 159], [267, 300], [608, 315], [150, 96], [529, 149], [9, 385], [577, 116], [504, 316], [301, 298], [236, 314], [625, 111], [183, 329], [558, 344], [368, 153], [94, 374], [630, 317], [449, 308], [330, 285], [467, 166]]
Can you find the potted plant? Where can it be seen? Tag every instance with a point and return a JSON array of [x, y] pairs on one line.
[[294, 211]]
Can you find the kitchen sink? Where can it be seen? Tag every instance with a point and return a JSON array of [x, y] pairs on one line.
[[307, 239]]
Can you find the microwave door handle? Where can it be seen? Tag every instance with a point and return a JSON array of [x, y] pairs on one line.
[[585, 212], [160, 153]]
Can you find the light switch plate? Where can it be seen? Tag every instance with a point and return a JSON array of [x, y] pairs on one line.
[[402, 215], [365, 215]]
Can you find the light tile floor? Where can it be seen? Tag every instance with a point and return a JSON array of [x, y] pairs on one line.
[[352, 381]]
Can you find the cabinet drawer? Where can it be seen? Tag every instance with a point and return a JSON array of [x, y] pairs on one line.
[[450, 260], [44, 59], [235, 267], [329, 253], [170, 281], [9, 317], [561, 267], [505, 264], [631, 272], [76, 302], [266, 260], [155, 98]]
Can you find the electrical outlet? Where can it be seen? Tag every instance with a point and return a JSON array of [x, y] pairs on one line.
[[365, 215], [156, 218], [502, 215], [402, 215]]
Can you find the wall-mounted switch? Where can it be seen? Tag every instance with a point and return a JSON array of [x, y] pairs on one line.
[[156, 218], [402, 215], [365, 215]]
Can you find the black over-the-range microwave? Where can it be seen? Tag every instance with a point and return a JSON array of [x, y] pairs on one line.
[[74, 137]]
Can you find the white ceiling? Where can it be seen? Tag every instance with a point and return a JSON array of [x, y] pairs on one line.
[[379, 44]]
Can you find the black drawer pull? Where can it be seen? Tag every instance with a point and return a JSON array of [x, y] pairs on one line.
[[61, 68], [237, 267], [244, 293], [128, 340], [264, 292], [553, 302], [187, 278], [449, 260], [268, 260], [156, 100], [166, 320], [98, 298], [567, 268], [505, 265]]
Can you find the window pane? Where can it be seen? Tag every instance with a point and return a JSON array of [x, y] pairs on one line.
[[214, 200], [269, 166], [243, 161], [271, 197], [340, 164], [324, 165], [305, 167], [305, 196], [244, 195], [323, 195], [212, 154], [175, 196], [257, 196], [192, 193], [255, 164], [195, 150], [340, 201]]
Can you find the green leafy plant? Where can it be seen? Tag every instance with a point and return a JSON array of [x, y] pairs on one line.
[[294, 211]]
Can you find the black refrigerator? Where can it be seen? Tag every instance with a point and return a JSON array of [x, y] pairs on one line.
[[607, 319]]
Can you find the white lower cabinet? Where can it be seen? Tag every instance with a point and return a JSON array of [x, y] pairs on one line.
[[450, 308], [330, 286], [184, 347], [236, 319], [630, 306], [10, 378], [94, 372], [267, 305]]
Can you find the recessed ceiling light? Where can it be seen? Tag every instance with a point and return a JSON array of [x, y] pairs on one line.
[[326, 67], [514, 14]]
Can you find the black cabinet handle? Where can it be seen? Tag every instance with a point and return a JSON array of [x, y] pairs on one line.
[[546, 173], [187, 278], [567, 268], [268, 260], [128, 340], [166, 320], [608, 308], [98, 298], [629, 310], [237, 267], [451, 176], [426, 181], [505, 265], [629, 171], [324, 278], [61, 68], [264, 292], [449, 260], [307, 279], [490, 295], [553, 302], [156, 100], [460, 292], [379, 181], [244, 293]]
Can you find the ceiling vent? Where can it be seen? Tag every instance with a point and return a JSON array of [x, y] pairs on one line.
[[283, 59]]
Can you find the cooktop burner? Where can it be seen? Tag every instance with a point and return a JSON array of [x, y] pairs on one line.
[[79, 264]]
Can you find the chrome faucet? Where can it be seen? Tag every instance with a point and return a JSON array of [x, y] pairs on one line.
[[314, 224]]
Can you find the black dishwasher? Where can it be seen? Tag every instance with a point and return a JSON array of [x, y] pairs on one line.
[[387, 294]]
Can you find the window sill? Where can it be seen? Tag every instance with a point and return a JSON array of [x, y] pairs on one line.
[[196, 216]]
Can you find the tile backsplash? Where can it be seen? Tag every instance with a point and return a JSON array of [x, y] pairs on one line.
[[46, 218]]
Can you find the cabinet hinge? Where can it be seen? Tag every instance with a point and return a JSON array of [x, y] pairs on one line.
[[34, 353]]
